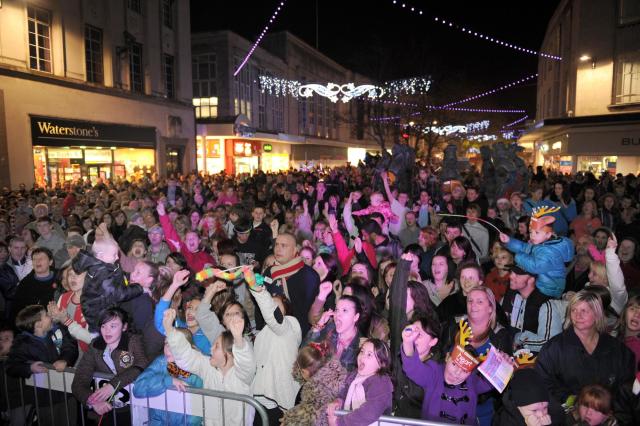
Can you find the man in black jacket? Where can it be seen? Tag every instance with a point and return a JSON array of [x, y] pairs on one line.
[[292, 278], [39, 287]]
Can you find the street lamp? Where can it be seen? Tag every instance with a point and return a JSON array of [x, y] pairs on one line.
[[585, 57]]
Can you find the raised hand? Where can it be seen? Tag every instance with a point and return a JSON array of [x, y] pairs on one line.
[[325, 290], [161, 208], [504, 238], [466, 334], [168, 317], [236, 327], [612, 242], [324, 319], [357, 244], [180, 278], [333, 223]]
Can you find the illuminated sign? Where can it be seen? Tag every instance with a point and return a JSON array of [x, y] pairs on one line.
[[267, 147]]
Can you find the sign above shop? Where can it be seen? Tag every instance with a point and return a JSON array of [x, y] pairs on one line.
[[267, 147], [49, 131]]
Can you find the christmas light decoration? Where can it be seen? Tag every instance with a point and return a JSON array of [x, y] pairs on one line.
[[471, 32], [513, 123], [482, 138], [450, 130], [408, 86], [262, 34], [279, 86], [344, 92], [489, 92], [506, 111]]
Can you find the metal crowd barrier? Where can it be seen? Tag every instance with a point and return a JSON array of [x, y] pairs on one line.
[[23, 400], [394, 421]]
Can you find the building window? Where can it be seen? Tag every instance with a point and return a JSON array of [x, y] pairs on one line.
[[278, 113], [39, 23], [167, 13], [629, 11], [628, 80], [243, 96], [135, 5], [203, 71], [93, 53], [135, 68], [206, 107], [169, 77]]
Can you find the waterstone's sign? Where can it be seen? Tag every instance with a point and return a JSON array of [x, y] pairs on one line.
[[49, 131]]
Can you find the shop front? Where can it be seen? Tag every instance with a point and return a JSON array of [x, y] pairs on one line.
[[69, 150], [587, 144]]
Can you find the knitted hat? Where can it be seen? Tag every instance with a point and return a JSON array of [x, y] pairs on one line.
[[528, 388]]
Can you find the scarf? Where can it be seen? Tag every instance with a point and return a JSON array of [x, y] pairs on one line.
[[356, 395], [288, 269], [177, 372], [65, 300]]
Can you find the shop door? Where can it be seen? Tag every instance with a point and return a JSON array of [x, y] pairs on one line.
[[102, 171], [174, 160]]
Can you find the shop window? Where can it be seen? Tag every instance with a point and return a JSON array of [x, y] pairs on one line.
[[93, 53], [628, 79], [39, 24], [136, 76], [169, 77], [167, 13], [629, 11]]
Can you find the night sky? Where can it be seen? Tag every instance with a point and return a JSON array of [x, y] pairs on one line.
[[384, 41]]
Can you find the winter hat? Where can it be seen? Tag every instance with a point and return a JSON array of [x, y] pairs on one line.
[[527, 387], [76, 241], [242, 226]]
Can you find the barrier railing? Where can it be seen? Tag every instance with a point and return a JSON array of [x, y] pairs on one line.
[[391, 420], [48, 396]]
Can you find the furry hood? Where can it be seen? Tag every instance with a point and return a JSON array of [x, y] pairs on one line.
[[321, 389]]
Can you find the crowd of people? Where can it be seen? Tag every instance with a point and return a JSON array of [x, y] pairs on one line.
[[327, 289]]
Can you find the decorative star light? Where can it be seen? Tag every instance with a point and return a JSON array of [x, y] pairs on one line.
[[344, 92]]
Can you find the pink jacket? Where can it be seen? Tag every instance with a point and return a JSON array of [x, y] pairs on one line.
[[196, 261]]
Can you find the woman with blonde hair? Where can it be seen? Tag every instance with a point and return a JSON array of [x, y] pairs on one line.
[[583, 353]]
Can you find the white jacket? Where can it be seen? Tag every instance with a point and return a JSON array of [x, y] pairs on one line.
[[237, 380], [615, 276], [276, 348]]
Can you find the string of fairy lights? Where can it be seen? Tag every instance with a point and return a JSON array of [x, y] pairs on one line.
[[391, 91], [262, 34], [477, 34]]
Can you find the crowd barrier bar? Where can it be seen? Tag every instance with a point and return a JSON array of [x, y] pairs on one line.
[[391, 420], [191, 402]]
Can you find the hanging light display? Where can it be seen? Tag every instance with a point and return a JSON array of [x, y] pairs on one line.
[[344, 92], [278, 86], [489, 92], [262, 34], [513, 123], [473, 33]]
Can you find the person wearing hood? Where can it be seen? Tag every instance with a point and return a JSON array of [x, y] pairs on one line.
[[525, 402]]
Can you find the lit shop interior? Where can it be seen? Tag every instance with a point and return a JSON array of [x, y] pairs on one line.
[[215, 154], [55, 165]]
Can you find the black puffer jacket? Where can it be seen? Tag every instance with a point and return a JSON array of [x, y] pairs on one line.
[[104, 286]]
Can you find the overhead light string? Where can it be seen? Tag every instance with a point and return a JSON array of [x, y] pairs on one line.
[[262, 34], [473, 33]]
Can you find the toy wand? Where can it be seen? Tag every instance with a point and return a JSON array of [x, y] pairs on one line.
[[472, 218]]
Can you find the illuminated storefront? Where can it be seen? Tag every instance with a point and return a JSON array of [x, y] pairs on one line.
[[70, 150], [587, 144]]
